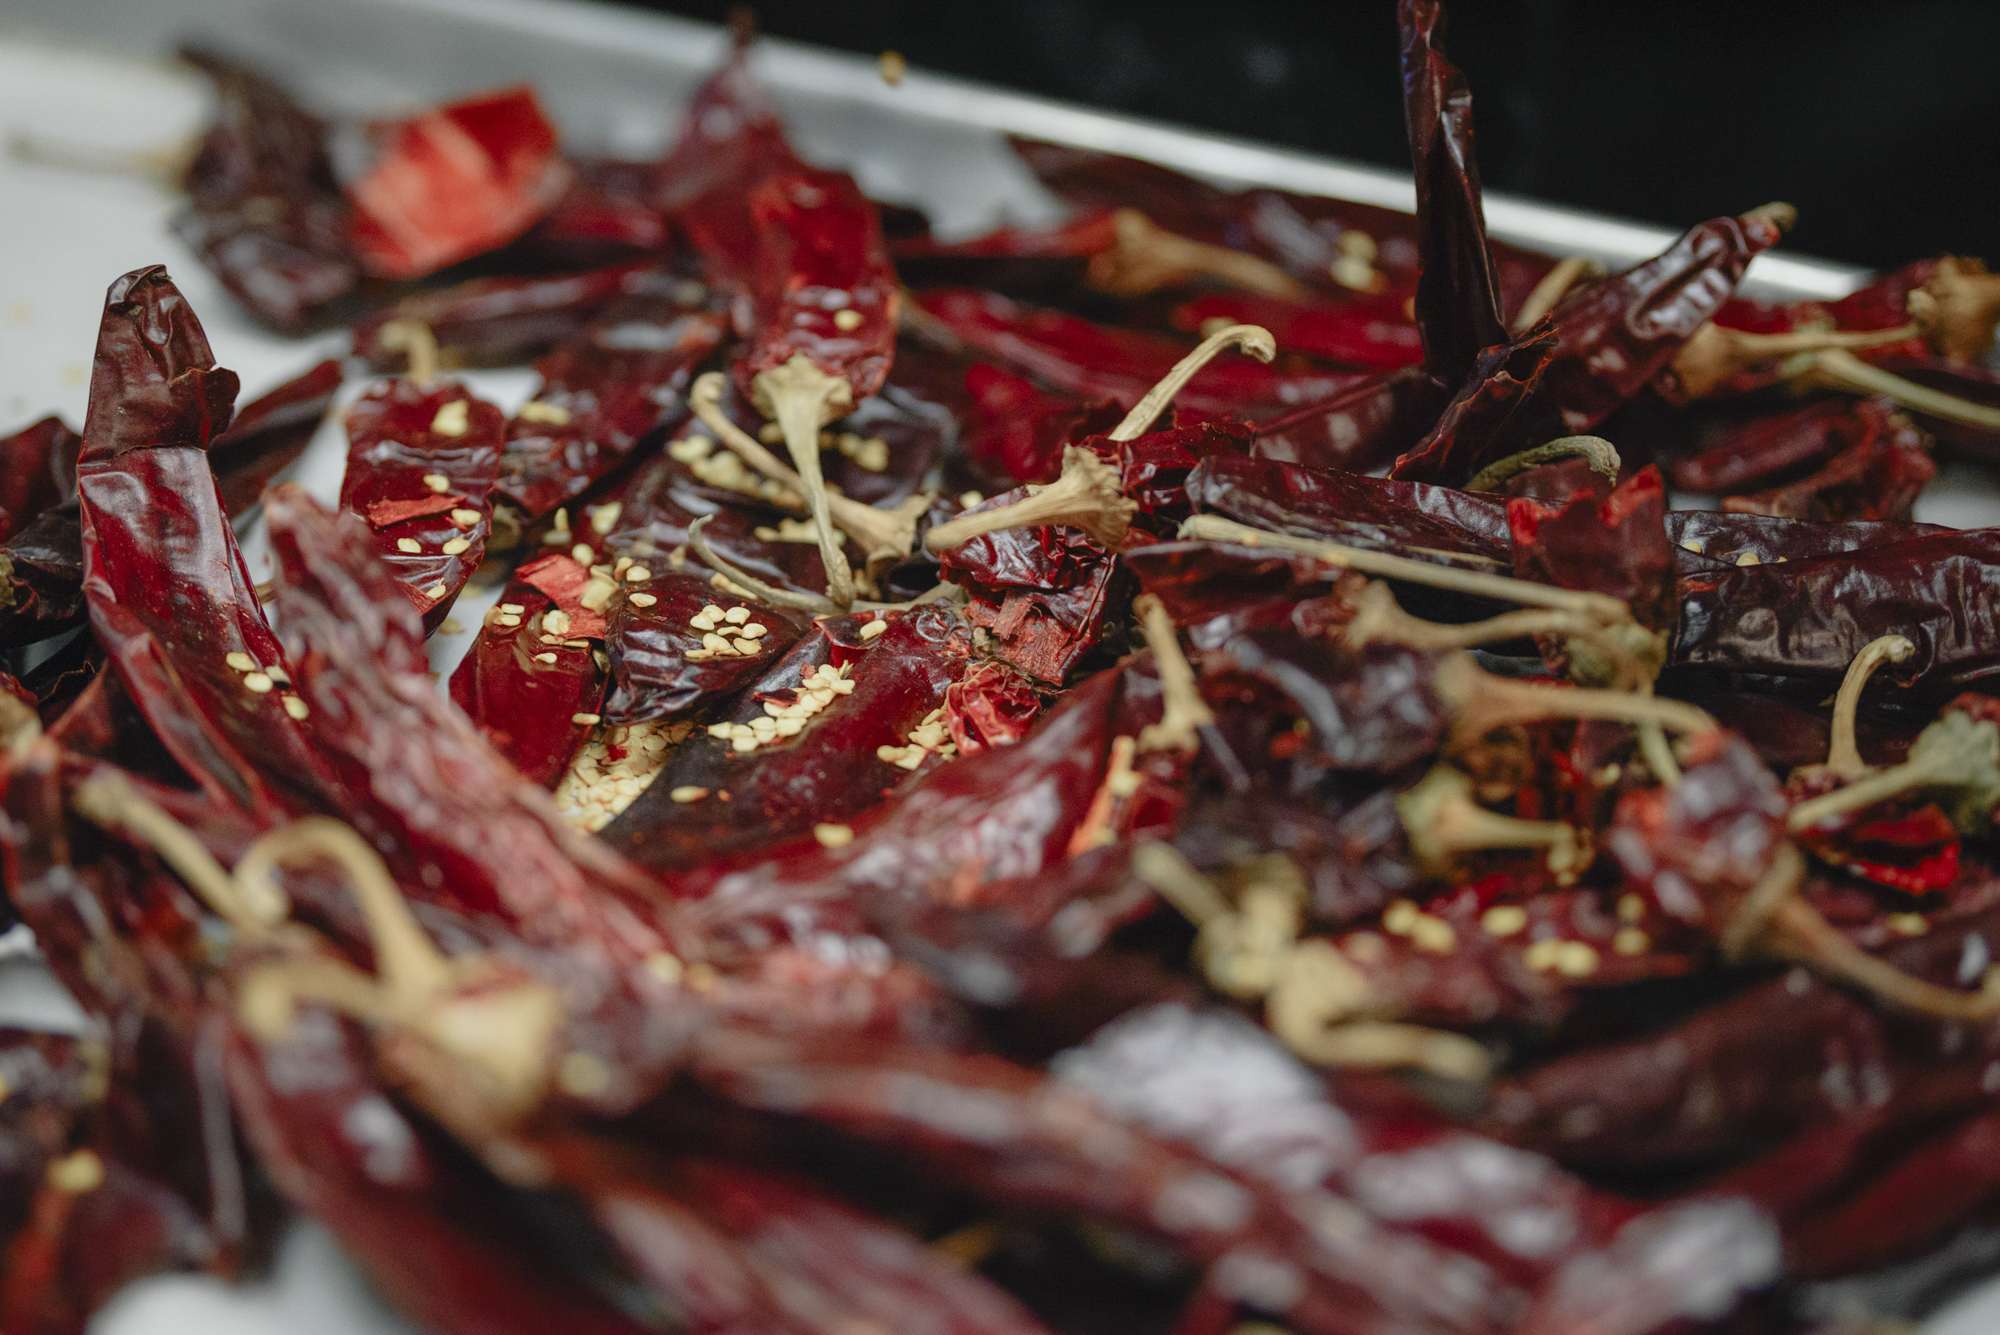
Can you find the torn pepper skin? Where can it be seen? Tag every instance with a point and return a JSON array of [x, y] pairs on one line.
[[1617, 546], [264, 210], [1458, 298], [453, 182], [829, 772], [37, 473], [652, 675], [526, 708], [602, 397], [268, 435], [169, 595], [398, 436]]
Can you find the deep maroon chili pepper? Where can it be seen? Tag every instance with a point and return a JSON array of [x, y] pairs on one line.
[[991, 705], [1973, 384], [268, 434], [265, 212], [454, 182], [530, 682], [1458, 298], [421, 465], [1503, 409], [42, 570], [607, 214], [602, 396], [853, 700], [650, 641], [169, 595], [1617, 546], [492, 321], [1099, 361], [1015, 431], [732, 138], [1357, 430], [37, 473], [1878, 476], [1408, 517], [1771, 446], [1373, 335]]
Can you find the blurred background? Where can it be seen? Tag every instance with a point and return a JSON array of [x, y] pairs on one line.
[[1880, 121]]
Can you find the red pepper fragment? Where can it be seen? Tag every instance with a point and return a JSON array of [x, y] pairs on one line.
[[454, 182], [530, 682], [268, 435]]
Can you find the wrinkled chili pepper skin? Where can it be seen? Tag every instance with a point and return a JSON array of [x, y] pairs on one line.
[[37, 473], [264, 210], [1458, 299], [1350, 507], [169, 595], [1809, 615], [1772, 446], [1369, 335], [1617, 546], [1878, 476], [453, 182], [42, 569], [1974, 383], [602, 397], [1695, 851], [1358, 429], [268, 434], [1504, 408], [607, 215], [991, 705], [494, 321], [1095, 361], [824, 288], [400, 438], [524, 704], [828, 772], [653, 676]]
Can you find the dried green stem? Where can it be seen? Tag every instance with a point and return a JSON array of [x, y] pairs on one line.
[[1442, 821], [1837, 369], [110, 801], [1957, 751], [1601, 453], [698, 539], [1144, 257], [1483, 702]]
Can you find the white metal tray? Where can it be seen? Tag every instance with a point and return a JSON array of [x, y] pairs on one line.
[[89, 74]]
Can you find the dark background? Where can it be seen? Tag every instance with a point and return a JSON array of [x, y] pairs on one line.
[[1880, 119]]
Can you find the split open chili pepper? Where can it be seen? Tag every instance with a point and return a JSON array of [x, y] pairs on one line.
[[422, 462], [674, 646]]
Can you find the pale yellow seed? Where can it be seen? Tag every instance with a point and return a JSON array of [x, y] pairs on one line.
[[664, 967], [736, 616], [848, 321], [257, 682], [889, 753], [296, 707], [714, 643], [1691, 544], [465, 518], [545, 658], [967, 500], [1399, 917], [1576, 959], [873, 628], [833, 836], [1434, 935], [586, 720], [454, 419], [436, 591], [754, 631], [1908, 924], [1542, 955], [437, 482], [638, 575], [278, 675], [747, 648], [453, 546], [451, 625], [688, 793], [561, 520], [512, 609], [791, 727], [605, 517], [241, 662], [581, 554], [583, 1075], [1748, 559], [77, 1174], [702, 977], [1504, 919], [408, 545], [556, 621], [1631, 941], [643, 600], [744, 743], [554, 414], [1631, 908]]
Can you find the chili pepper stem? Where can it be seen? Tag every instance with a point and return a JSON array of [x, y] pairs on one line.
[[1555, 284], [1715, 354], [1957, 751], [1186, 712], [1144, 257], [1086, 496], [1253, 339], [1838, 369], [1161, 866], [886, 536], [415, 338], [1442, 821], [1601, 453], [111, 802], [1311, 1010], [757, 588], [1843, 757], [1796, 931], [20, 726], [801, 398], [1385, 565], [1483, 702], [1957, 310], [1379, 617]]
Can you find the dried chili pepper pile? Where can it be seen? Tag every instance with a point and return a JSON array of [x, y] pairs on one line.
[[1179, 772]]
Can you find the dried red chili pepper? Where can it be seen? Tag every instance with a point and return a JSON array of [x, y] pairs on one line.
[[37, 473], [1458, 298], [1617, 546], [1357, 430], [265, 212], [454, 182], [1370, 334], [531, 682], [607, 214], [602, 397], [42, 566], [650, 640], [268, 434], [422, 462], [990, 706], [1771, 446], [1878, 476]]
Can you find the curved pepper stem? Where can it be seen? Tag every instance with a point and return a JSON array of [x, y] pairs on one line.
[[1086, 496], [1315, 1010], [1253, 339], [1144, 257], [1837, 369], [1957, 751], [1601, 453], [1714, 355], [1442, 821], [1186, 713], [801, 398], [1555, 284], [413, 337], [108, 800], [1958, 309], [1843, 757], [1482, 702]]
